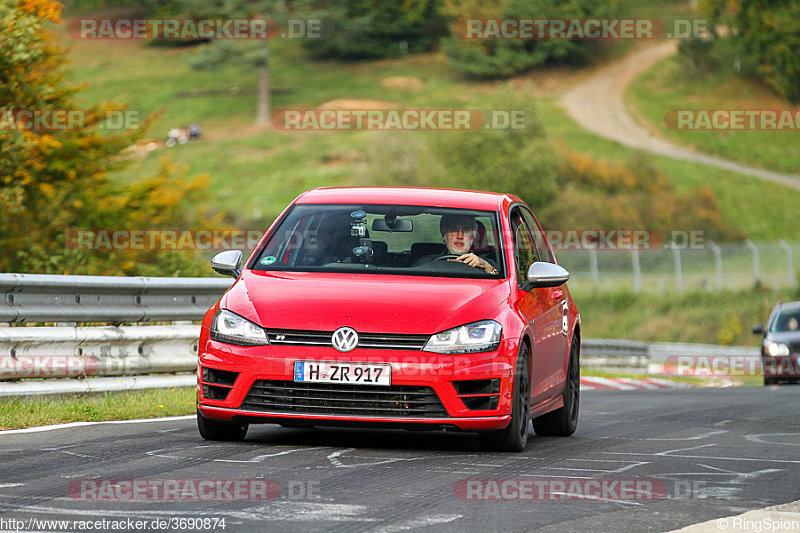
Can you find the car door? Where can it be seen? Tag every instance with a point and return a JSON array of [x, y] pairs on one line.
[[542, 308]]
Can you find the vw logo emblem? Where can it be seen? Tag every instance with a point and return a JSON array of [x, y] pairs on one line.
[[344, 339]]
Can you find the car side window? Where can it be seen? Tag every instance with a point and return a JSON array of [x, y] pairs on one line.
[[542, 249], [525, 252]]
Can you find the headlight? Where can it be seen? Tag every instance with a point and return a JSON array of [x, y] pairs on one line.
[[777, 348], [483, 336], [233, 329]]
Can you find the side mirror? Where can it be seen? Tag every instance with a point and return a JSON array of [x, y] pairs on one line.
[[758, 329], [227, 263], [542, 274]]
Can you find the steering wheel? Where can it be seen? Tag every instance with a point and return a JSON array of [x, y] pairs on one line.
[[447, 256]]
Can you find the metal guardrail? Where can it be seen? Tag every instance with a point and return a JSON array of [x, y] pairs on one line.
[[62, 352], [109, 299]]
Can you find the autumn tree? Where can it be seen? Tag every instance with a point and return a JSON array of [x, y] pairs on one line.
[[765, 37], [53, 178]]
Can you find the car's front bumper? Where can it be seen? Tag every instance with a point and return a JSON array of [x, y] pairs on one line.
[[442, 374], [781, 366]]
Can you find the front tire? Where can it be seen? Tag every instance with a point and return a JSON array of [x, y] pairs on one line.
[[514, 437], [220, 430], [563, 422]]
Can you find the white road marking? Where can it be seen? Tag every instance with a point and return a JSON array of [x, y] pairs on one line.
[[759, 438], [573, 498], [594, 380], [265, 456], [9, 485], [336, 512], [701, 436], [80, 424], [257, 459], [670, 453], [423, 521], [638, 383], [334, 459], [603, 470]]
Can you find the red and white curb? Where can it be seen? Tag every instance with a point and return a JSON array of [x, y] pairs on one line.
[[597, 383]]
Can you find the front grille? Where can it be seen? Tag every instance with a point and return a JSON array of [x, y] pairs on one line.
[[794, 348], [400, 401], [386, 341]]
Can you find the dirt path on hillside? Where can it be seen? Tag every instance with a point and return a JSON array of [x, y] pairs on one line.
[[596, 103]]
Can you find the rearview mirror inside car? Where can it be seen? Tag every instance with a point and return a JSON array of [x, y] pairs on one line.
[[392, 224]]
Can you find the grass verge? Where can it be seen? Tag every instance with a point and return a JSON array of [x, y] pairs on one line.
[[669, 85], [255, 173], [723, 318], [18, 413]]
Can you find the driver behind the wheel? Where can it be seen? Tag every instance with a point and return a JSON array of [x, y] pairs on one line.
[[459, 233]]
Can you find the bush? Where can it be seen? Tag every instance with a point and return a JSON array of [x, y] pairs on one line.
[[515, 161], [765, 35], [361, 29], [504, 58], [52, 180], [603, 195]]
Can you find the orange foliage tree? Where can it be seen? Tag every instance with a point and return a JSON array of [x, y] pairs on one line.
[[58, 178]]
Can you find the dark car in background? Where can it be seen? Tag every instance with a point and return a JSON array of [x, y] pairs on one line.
[[780, 349]]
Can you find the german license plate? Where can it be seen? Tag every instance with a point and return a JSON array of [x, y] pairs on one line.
[[333, 372]]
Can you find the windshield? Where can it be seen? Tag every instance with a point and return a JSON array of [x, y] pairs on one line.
[[788, 319], [385, 239]]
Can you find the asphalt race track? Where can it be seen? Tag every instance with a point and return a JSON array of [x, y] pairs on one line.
[[716, 452]]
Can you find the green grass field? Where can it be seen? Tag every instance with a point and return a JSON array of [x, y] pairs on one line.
[[255, 173], [16, 413], [669, 86], [704, 317]]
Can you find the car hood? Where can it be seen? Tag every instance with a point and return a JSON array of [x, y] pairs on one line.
[[787, 337], [373, 303]]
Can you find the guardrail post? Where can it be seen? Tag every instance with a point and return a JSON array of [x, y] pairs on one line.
[[754, 249], [789, 267], [594, 269], [637, 273], [676, 252], [717, 261]]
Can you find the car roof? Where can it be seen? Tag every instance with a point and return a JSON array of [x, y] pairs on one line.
[[788, 306], [489, 201]]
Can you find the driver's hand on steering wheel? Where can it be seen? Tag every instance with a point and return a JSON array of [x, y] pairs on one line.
[[475, 261]]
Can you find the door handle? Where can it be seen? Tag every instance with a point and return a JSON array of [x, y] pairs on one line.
[[556, 294]]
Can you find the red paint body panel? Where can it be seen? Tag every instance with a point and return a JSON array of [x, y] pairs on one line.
[[397, 304]]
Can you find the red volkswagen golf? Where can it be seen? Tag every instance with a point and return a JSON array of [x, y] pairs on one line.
[[394, 307]]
